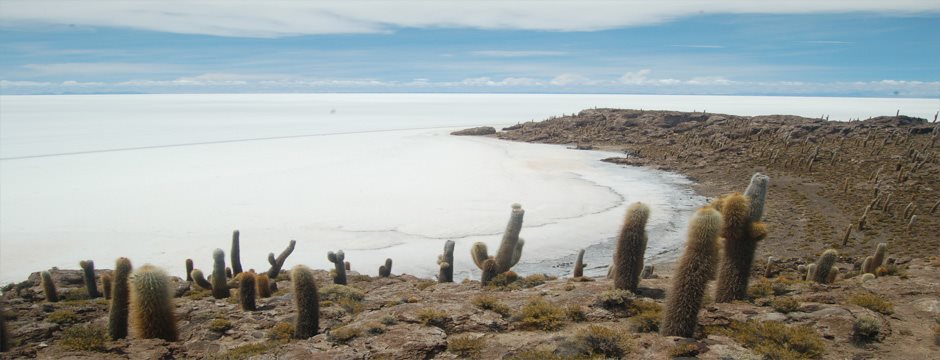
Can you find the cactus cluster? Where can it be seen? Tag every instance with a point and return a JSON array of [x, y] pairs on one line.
[[386, 270], [151, 306], [741, 230], [445, 263], [631, 247], [696, 267], [871, 263], [510, 249], [307, 302], [339, 275]]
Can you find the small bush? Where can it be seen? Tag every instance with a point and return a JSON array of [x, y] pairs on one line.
[[85, 338], [866, 329], [762, 288], [198, 294], [575, 312], [281, 332], [466, 346], [504, 279], [785, 304], [601, 341], [872, 302], [388, 320], [682, 351], [615, 299], [647, 316], [432, 317], [335, 293], [489, 302], [540, 314], [220, 325], [63, 317], [424, 284], [351, 305], [375, 328], [776, 340], [534, 280], [74, 295], [344, 333]]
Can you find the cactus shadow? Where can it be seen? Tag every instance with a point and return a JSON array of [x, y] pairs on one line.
[[651, 293]]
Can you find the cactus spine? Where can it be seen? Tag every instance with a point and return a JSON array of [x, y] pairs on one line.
[[106, 286], [48, 287], [579, 264], [741, 230], [246, 291], [151, 307], [489, 271], [88, 276], [696, 267], [307, 301], [631, 246], [120, 295], [337, 259], [824, 265], [386, 270], [263, 285], [508, 254], [189, 270], [236, 254], [219, 288], [446, 263]]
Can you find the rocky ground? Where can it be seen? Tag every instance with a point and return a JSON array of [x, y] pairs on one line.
[[824, 175]]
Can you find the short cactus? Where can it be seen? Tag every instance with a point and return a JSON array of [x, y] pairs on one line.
[[189, 270], [741, 231], [879, 257], [263, 285], [691, 277], [337, 259], [446, 263], [386, 270], [489, 271], [867, 265], [200, 280], [307, 302], [278, 263], [220, 289], [246, 291], [120, 299], [579, 265], [236, 254], [631, 247], [151, 307], [824, 265], [88, 276], [48, 287], [810, 272], [106, 286]]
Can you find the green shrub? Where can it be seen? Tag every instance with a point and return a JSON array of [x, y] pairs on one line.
[[615, 299], [466, 346], [866, 329], [424, 284], [281, 332], [63, 317], [351, 305], [85, 338], [647, 316], [872, 302], [335, 293], [220, 325], [575, 312], [432, 317], [344, 333], [601, 341], [776, 340], [785, 304], [540, 314], [684, 351], [388, 320], [489, 302]]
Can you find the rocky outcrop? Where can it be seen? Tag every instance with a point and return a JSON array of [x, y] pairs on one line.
[[477, 131]]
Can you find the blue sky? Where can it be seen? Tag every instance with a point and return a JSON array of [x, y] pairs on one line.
[[819, 48]]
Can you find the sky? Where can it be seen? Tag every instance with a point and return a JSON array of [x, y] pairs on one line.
[[805, 48]]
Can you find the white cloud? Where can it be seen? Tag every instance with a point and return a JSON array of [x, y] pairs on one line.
[[97, 68], [571, 79], [244, 18], [635, 78], [517, 53]]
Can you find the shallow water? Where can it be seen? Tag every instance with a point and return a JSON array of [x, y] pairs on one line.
[[162, 178]]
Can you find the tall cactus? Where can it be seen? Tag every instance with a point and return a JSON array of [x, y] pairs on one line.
[[48, 287], [88, 276], [337, 260], [741, 230], [151, 307], [236, 254], [307, 302], [220, 289], [106, 286], [246, 291], [189, 270], [696, 267], [507, 255], [579, 265], [386, 270], [446, 263], [824, 265], [631, 246], [120, 295]]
